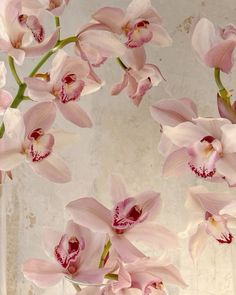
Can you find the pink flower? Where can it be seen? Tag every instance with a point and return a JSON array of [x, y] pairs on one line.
[[56, 7], [207, 148], [215, 46], [212, 215], [138, 82], [130, 219], [139, 25], [5, 96], [28, 138], [146, 275], [172, 112], [68, 79], [96, 43], [19, 26], [75, 254]]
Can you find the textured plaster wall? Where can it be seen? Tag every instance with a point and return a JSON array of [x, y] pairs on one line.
[[123, 140]]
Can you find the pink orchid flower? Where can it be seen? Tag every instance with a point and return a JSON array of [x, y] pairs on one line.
[[96, 43], [18, 28], [215, 46], [28, 138], [206, 148], [139, 25], [75, 255], [56, 7], [147, 275], [130, 219], [5, 96], [212, 214], [138, 80], [68, 79], [172, 112]]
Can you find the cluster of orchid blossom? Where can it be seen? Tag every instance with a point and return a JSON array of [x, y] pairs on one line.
[[111, 33], [97, 248]]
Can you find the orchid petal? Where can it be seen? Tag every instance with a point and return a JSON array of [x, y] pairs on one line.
[[42, 115], [135, 57], [90, 213], [3, 72], [204, 36], [184, 134], [5, 100], [221, 56], [160, 36], [153, 235], [74, 113], [176, 163], [52, 168], [172, 112], [43, 47], [198, 241], [10, 155], [226, 166], [229, 138], [117, 88], [14, 126], [212, 125], [137, 8], [111, 17], [43, 273], [117, 189], [125, 249], [229, 209]]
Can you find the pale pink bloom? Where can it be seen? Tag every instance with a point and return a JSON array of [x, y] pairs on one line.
[[137, 80], [207, 148], [130, 219], [18, 28], [212, 215], [214, 45], [68, 80], [140, 24], [75, 254], [56, 7], [28, 138], [5, 96], [172, 112], [96, 43], [146, 274]]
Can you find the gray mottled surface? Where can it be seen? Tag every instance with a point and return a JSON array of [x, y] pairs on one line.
[[123, 140]]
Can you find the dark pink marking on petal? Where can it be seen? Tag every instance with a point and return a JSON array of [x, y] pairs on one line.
[[67, 252]]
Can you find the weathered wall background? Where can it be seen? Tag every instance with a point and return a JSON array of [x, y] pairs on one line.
[[123, 140]]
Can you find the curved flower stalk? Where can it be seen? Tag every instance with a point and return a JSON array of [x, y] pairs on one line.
[[19, 27], [74, 254], [137, 80], [27, 137], [69, 78], [214, 45], [130, 219], [212, 215], [206, 148], [140, 24], [172, 112]]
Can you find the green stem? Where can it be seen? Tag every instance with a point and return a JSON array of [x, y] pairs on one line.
[[60, 45], [57, 23], [18, 99], [77, 287], [104, 254], [13, 70], [111, 276], [222, 90], [120, 62], [22, 86]]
